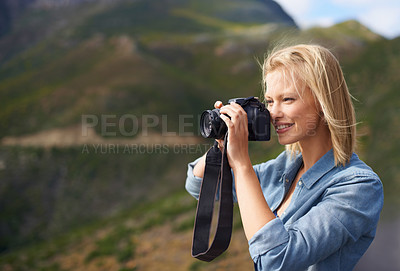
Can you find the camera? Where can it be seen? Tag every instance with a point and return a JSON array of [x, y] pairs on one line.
[[212, 126]]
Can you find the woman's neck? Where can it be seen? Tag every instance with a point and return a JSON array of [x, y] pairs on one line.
[[314, 149]]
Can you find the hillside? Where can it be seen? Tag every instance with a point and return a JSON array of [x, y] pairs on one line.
[[154, 236], [159, 60], [373, 77], [109, 54], [114, 199]]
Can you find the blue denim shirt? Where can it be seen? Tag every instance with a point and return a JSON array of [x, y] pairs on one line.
[[331, 219]]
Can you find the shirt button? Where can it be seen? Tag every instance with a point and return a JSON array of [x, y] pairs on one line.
[[287, 180], [300, 183]]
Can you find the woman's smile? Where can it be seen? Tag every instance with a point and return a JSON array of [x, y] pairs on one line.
[[283, 127]]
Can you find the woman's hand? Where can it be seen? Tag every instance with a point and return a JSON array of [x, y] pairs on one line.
[[254, 209], [238, 133], [237, 138]]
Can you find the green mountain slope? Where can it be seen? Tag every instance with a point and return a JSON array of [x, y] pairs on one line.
[[110, 55], [374, 79], [154, 236], [157, 58]]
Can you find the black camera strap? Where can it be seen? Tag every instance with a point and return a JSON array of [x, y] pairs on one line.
[[217, 173]]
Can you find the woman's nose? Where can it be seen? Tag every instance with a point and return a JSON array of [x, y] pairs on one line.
[[275, 111]]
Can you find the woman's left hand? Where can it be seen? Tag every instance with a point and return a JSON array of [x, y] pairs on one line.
[[253, 207], [237, 123]]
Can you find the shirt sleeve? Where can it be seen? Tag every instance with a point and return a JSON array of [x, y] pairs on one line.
[[193, 183], [346, 212]]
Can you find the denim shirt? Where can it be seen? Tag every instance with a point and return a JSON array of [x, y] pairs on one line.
[[330, 221]]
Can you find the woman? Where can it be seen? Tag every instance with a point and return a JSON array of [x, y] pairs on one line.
[[317, 205]]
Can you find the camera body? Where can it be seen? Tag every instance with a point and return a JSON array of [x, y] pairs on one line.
[[212, 126]]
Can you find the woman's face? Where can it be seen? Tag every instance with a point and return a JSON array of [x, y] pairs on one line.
[[295, 118]]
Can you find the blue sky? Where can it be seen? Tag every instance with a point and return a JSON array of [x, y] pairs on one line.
[[381, 16]]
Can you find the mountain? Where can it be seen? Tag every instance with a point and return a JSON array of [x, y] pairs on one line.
[[344, 37], [134, 59], [54, 55], [9, 11], [27, 21], [373, 77]]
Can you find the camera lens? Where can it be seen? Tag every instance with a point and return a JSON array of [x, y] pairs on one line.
[[211, 125], [206, 124]]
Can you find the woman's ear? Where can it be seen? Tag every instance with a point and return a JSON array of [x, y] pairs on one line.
[[320, 111]]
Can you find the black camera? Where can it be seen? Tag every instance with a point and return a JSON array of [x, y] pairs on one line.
[[212, 126]]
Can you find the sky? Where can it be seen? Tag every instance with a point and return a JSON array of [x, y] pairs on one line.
[[381, 16]]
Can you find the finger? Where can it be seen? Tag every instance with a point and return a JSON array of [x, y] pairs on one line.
[[227, 120], [220, 143], [236, 127], [234, 107], [234, 112], [218, 104], [227, 112], [228, 108], [238, 122], [237, 107]]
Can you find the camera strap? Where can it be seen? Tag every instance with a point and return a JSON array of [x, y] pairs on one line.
[[217, 172]]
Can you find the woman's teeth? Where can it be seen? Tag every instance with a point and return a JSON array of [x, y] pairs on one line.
[[279, 127]]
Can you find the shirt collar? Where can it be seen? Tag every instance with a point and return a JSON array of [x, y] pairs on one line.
[[319, 169], [291, 171]]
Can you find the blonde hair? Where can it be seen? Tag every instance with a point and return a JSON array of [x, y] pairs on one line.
[[319, 69]]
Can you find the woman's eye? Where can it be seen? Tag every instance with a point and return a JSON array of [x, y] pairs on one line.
[[269, 102], [288, 99]]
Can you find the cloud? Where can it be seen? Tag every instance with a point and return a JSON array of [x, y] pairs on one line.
[[296, 8], [384, 20], [299, 10], [381, 16], [353, 3], [323, 22]]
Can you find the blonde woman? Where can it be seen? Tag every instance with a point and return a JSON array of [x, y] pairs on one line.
[[317, 205]]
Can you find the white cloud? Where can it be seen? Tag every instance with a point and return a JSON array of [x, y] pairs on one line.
[[384, 20], [299, 10], [381, 16], [324, 21], [352, 3], [296, 8], [319, 21]]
